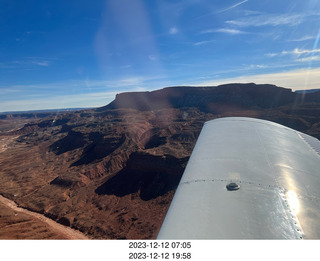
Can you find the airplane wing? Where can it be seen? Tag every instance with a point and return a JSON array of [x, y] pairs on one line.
[[248, 179]]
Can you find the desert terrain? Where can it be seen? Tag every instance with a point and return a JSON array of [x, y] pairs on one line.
[[19, 223], [111, 172]]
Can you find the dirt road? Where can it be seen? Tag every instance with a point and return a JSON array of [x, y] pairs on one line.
[[67, 232], [38, 220]]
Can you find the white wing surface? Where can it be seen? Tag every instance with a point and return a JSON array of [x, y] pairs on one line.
[[276, 195]]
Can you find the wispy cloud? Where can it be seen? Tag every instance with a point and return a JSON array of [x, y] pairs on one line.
[[271, 20], [27, 63], [302, 39], [230, 31], [271, 55], [258, 66], [200, 43], [301, 51], [173, 30], [224, 30], [233, 6], [130, 81], [41, 63], [315, 58], [221, 11], [296, 52]]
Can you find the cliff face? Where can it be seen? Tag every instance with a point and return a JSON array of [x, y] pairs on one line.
[[152, 176], [112, 172], [207, 98]]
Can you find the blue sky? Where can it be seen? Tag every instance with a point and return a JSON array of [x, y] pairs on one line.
[[63, 54]]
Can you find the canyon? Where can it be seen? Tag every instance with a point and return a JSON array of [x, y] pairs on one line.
[[111, 172]]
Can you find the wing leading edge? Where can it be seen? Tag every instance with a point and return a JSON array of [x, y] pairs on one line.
[[276, 169]]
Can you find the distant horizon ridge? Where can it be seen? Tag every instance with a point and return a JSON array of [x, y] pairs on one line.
[[159, 89]]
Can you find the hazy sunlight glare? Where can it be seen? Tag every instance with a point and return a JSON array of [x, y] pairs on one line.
[[293, 201]]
